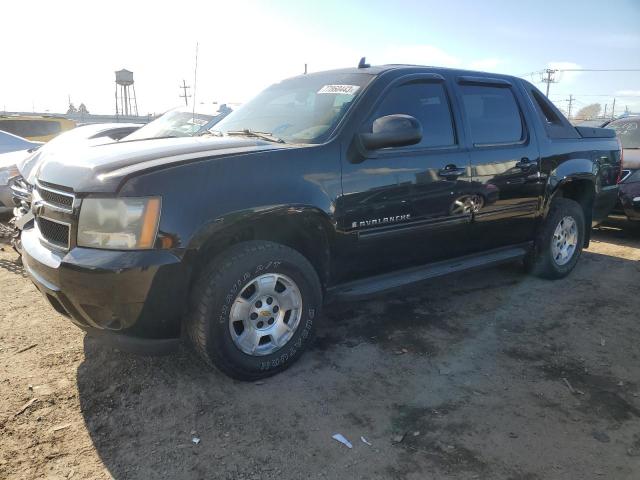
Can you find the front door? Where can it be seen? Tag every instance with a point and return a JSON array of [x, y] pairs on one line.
[[408, 206], [504, 163]]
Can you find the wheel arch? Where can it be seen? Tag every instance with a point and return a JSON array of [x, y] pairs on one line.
[[308, 230], [575, 179]]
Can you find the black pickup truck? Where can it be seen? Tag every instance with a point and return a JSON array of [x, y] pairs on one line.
[[332, 185]]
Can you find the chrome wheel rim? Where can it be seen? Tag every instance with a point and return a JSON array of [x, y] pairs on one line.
[[564, 241], [265, 314], [467, 204]]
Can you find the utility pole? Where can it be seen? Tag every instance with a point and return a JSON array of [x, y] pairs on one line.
[[305, 68], [605, 110], [548, 79], [613, 109], [569, 108], [184, 88]]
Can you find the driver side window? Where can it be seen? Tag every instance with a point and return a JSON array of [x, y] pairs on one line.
[[428, 103]]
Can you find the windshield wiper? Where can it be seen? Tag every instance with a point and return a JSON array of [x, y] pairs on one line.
[[252, 133]]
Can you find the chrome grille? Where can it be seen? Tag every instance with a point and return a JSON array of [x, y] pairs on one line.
[[56, 198], [54, 233]]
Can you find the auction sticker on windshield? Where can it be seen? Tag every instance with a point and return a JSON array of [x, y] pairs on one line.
[[340, 89]]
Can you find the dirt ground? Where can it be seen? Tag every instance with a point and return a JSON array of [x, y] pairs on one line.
[[487, 375]]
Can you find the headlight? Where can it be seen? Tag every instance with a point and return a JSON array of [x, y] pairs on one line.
[[8, 173], [119, 223]]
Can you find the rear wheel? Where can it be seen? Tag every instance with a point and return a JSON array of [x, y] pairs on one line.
[[559, 244], [254, 309]]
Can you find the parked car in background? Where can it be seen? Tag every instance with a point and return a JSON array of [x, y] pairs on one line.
[[337, 184], [596, 122], [12, 143], [183, 122], [12, 150], [8, 171], [35, 127], [628, 131], [25, 166]]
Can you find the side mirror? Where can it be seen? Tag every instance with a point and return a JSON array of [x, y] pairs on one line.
[[392, 131]]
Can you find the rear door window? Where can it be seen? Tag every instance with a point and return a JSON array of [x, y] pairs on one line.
[[492, 114]]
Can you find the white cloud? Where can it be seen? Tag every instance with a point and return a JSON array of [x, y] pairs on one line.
[[628, 93], [486, 64], [565, 77], [418, 55]]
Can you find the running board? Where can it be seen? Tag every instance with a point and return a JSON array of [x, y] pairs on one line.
[[389, 281]]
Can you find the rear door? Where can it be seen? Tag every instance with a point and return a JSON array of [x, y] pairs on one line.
[[406, 205], [505, 162]]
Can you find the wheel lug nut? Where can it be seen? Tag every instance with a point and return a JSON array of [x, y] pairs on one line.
[[260, 324], [258, 304], [275, 309], [254, 316], [271, 321], [269, 300]]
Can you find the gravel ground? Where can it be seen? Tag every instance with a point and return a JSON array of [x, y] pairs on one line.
[[486, 375]]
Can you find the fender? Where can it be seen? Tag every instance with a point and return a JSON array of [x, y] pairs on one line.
[[573, 170], [568, 171], [305, 228]]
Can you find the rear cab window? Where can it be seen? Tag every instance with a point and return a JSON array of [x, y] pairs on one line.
[[554, 123]]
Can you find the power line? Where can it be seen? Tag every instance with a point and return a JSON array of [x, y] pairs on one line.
[[598, 69], [601, 95], [538, 72], [547, 75]]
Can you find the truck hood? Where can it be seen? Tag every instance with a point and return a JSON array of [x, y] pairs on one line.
[[103, 168]]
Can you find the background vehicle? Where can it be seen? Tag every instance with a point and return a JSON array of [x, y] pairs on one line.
[[35, 128], [12, 143], [182, 122], [24, 165], [8, 171], [336, 184], [628, 131], [596, 122]]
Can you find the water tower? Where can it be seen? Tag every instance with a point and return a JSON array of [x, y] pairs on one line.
[[126, 103]]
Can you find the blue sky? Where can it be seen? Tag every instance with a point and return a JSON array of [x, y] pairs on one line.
[[512, 37], [246, 45]]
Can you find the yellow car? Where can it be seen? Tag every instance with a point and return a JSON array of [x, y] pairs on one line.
[[37, 128]]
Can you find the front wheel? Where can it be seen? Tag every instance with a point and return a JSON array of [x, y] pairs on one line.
[[254, 309], [559, 244]]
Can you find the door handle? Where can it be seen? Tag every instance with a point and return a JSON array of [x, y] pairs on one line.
[[525, 163], [451, 171]]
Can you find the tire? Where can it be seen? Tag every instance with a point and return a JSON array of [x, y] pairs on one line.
[[248, 272], [551, 262]]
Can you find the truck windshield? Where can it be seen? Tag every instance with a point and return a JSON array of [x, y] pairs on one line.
[[179, 122], [628, 130], [303, 109]]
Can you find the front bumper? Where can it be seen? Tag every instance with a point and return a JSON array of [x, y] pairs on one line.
[[132, 299]]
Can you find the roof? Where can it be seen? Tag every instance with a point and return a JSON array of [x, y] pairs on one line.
[[379, 69]]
